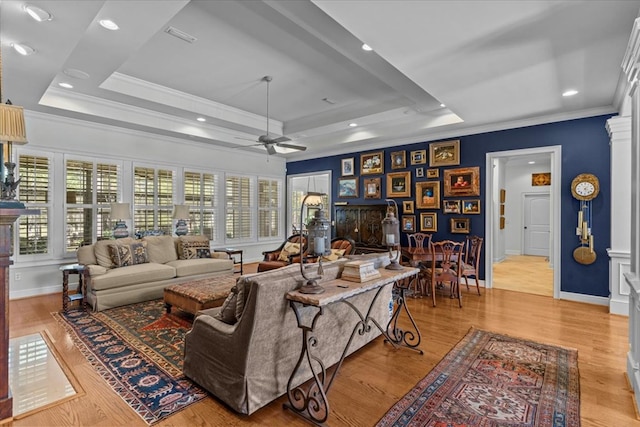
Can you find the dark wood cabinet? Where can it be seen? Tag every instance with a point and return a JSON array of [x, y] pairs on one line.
[[363, 224]]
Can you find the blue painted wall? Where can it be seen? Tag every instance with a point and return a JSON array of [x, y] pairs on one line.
[[585, 149]]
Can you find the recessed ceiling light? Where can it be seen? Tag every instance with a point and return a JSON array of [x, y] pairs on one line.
[[532, 162], [23, 49], [366, 47], [442, 105], [76, 74], [352, 125], [570, 92], [201, 119], [37, 13], [109, 24], [66, 85]]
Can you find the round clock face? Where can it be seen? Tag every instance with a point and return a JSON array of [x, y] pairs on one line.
[[585, 188]]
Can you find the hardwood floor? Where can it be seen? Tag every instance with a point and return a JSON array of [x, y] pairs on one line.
[[375, 377], [524, 273]]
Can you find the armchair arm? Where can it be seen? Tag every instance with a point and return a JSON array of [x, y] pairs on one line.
[[271, 255]]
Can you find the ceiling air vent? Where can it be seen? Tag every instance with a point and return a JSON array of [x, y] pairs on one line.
[[180, 34]]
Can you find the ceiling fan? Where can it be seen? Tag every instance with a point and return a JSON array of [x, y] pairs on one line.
[[268, 142]]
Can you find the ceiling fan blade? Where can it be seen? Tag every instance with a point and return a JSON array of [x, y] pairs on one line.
[[281, 139], [270, 148], [245, 139], [293, 147]]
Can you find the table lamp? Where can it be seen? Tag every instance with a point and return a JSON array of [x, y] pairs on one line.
[[317, 241], [120, 212], [181, 213], [391, 234]]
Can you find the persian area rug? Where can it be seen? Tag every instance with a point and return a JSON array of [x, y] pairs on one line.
[[138, 350], [492, 380]]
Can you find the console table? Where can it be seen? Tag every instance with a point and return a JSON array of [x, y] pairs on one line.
[[310, 401]]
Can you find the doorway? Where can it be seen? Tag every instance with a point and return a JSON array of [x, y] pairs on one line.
[[495, 236]]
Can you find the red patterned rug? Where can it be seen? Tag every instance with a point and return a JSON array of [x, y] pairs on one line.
[[491, 380]]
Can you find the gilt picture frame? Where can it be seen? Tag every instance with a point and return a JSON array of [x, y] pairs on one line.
[[446, 153], [452, 207], [347, 167], [372, 188], [428, 221], [398, 160], [462, 182], [419, 157], [459, 225], [409, 223], [399, 184], [428, 195], [407, 206], [372, 163], [471, 206]]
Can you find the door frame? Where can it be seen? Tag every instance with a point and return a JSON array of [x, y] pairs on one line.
[[524, 202], [492, 212]]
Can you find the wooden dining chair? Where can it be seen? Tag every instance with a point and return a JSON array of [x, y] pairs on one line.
[[419, 240], [471, 261], [442, 268]]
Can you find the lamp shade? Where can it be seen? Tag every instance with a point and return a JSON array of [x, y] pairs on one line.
[[180, 211], [12, 127], [120, 211]]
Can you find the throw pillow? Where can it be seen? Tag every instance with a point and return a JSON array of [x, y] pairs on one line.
[[125, 255], [227, 313], [334, 255], [193, 250], [289, 249]]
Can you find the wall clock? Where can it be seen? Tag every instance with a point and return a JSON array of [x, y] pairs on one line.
[[585, 187]]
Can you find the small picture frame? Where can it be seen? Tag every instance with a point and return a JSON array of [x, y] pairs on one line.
[[428, 195], [399, 184], [471, 206], [433, 173], [459, 225], [398, 160], [372, 188], [502, 223], [503, 195], [407, 206], [540, 179], [428, 221], [419, 157], [419, 173], [409, 223], [372, 163], [347, 166], [452, 207], [462, 182], [445, 153], [502, 210], [347, 187]]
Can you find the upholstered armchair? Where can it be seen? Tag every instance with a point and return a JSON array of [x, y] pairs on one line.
[[289, 252]]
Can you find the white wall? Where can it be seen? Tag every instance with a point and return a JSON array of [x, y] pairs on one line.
[[517, 183], [48, 133]]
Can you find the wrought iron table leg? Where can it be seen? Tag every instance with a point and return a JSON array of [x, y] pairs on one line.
[[394, 334]]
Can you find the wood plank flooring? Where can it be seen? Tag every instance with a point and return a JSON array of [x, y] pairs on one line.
[[524, 273], [375, 377]]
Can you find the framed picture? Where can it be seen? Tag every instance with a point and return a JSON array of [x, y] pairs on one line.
[[372, 188], [459, 225], [452, 207], [407, 206], [502, 210], [419, 157], [538, 179], [419, 173], [347, 166], [471, 206], [503, 195], [433, 173], [428, 195], [428, 221], [445, 153], [399, 184], [347, 187], [501, 223], [371, 163], [409, 223], [398, 160], [462, 182]]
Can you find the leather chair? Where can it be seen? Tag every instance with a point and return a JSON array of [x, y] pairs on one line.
[[273, 259], [345, 243], [471, 263]]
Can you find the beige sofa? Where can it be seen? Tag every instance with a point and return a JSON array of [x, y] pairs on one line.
[[127, 271], [246, 362]]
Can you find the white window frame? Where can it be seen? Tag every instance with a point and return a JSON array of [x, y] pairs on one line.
[[279, 204], [156, 207]]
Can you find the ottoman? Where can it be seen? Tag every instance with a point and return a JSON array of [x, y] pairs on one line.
[[199, 294]]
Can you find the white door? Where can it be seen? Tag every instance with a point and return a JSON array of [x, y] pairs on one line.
[[536, 224]]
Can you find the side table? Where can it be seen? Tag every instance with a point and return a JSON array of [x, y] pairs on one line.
[[81, 271], [232, 252]]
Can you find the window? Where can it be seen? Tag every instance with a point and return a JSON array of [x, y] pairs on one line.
[[269, 204], [200, 196], [153, 199], [239, 224], [33, 172], [90, 189], [298, 186]]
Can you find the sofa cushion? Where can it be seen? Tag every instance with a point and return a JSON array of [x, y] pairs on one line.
[[101, 250], [190, 247], [86, 256], [334, 255], [289, 249], [125, 255], [160, 249], [189, 267], [133, 274], [227, 313]]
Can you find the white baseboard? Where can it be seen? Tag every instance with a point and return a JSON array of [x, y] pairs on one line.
[[46, 290], [512, 252], [589, 299], [619, 307]]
